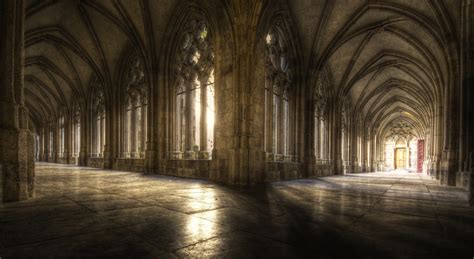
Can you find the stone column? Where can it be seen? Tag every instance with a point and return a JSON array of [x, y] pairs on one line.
[[269, 123], [84, 139], [16, 161], [133, 130], [203, 152], [46, 142], [30, 164], [41, 144], [144, 127], [466, 152], [68, 148], [106, 125], [55, 148], [150, 152], [335, 138], [190, 121], [280, 152], [353, 147], [239, 153]]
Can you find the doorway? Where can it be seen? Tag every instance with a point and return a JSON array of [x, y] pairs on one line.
[[400, 158]]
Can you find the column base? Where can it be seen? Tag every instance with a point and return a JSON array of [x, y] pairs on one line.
[[14, 160]]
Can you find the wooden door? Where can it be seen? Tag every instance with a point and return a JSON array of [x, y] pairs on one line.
[[400, 158]]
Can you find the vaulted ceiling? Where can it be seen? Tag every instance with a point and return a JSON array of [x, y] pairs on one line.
[[391, 59], [68, 42]]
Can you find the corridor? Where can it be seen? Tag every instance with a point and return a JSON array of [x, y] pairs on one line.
[[95, 212]]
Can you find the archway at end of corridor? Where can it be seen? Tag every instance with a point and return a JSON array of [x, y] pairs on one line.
[[404, 148]]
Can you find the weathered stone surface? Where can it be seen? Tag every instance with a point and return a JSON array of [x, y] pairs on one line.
[[82, 211], [14, 164]]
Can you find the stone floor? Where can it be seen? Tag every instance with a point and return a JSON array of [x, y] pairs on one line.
[[92, 212]]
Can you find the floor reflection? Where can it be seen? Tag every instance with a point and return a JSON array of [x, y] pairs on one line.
[[85, 211], [200, 201]]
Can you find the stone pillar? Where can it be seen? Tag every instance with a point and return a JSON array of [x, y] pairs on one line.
[[336, 142], [106, 126], [133, 130], [31, 164], [150, 152], [17, 161], [467, 128], [190, 122], [41, 144], [55, 147], [47, 140], [203, 153], [269, 123], [471, 179], [239, 153], [68, 149]]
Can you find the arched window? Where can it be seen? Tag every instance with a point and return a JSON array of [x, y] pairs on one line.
[[278, 86], [76, 127], [320, 128], [98, 123], [62, 136], [194, 108], [135, 121]]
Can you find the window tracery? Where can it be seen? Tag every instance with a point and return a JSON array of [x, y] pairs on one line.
[[320, 114], [98, 122], [279, 80], [194, 94], [401, 130], [135, 110]]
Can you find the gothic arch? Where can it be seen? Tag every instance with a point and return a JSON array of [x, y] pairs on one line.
[[133, 98], [276, 55], [189, 64]]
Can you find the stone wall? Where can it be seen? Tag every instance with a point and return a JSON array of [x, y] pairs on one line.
[[129, 164], [62, 160], [463, 180], [275, 171], [187, 168], [318, 170], [95, 162]]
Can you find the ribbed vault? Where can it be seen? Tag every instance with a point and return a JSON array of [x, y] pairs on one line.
[[369, 65], [394, 60], [68, 42]]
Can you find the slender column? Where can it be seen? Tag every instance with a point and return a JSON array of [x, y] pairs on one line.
[[317, 137], [190, 121], [67, 139], [269, 124], [280, 127], [133, 129], [84, 138], [55, 147], [103, 130], [354, 147], [203, 132], [144, 132], [47, 141], [321, 124], [41, 144]]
